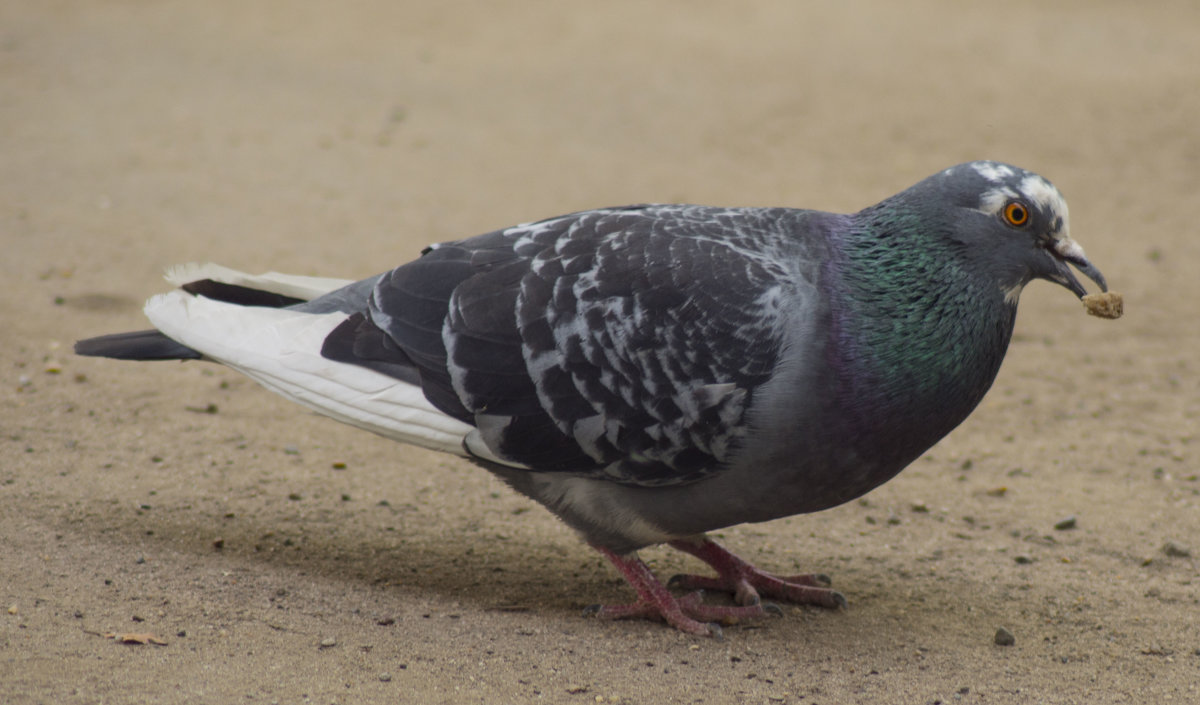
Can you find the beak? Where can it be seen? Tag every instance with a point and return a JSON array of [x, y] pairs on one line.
[[1064, 250]]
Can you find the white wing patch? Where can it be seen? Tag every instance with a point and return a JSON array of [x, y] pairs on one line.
[[281, 350]]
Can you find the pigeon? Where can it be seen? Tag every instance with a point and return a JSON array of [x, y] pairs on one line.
[[652, 373]]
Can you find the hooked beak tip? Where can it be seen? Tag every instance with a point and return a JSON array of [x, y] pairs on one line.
[[1068, 250]]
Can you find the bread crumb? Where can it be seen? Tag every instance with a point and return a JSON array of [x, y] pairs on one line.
[[1106, 305]]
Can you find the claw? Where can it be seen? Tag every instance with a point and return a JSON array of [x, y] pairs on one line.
[[689, 613], [748, 599], [749, 584]]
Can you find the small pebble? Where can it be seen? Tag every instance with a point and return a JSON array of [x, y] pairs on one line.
[[1004, 637], [1065, 524], [385, 677], [328, 643], [291, 450], [1175, 549]]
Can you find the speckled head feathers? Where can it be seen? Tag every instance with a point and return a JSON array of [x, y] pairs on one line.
[[1026, 218], [1008, 183]]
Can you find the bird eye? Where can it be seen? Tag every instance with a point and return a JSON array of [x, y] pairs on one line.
[[1016, 214]]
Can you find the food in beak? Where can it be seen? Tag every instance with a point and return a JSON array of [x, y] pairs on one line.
[[1109, 304]]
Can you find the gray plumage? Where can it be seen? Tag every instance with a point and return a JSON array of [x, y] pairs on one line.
[[650, 373]]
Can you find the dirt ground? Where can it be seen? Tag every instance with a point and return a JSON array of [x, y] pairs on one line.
[[284, 558]]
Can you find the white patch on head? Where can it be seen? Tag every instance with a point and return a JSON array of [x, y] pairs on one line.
[[992, 171], [1034, 189], [1041, 192], [994, 199]]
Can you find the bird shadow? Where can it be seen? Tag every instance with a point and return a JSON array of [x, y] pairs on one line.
[[392, 560]]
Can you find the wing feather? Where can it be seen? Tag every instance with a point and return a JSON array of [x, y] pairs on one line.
[[624, 343]]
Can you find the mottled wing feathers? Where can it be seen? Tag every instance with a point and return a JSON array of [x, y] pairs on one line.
[[624, 342]]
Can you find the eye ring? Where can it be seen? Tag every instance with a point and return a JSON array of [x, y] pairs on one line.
[[1016, 214]]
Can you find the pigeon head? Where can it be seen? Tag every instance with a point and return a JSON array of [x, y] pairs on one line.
[[1016, 223]]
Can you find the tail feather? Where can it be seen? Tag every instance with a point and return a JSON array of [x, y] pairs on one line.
[[237, 294], [281, 350], [272, 327], [292, 286], [136, 345], [212, 281]]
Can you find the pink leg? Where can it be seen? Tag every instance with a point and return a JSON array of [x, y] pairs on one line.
[[687, 614], [747, 582]]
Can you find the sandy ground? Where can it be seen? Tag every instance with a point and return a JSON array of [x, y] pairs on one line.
[[285, 558]]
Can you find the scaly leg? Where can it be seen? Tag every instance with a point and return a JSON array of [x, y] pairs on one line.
[[747, 583], [687, 614]]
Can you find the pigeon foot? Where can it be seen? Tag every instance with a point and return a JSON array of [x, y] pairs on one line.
[[688, 613], [749, 584]]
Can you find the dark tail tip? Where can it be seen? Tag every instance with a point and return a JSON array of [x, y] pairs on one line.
[[138, 345]]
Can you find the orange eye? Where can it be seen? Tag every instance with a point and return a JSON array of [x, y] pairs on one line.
[[1016, 214]]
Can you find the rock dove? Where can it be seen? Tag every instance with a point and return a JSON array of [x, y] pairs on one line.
[[651, 373]]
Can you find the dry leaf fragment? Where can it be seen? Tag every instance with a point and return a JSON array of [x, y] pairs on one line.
[[135, 638]]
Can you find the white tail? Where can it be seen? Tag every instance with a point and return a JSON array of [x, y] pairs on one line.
[[281, 349]]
